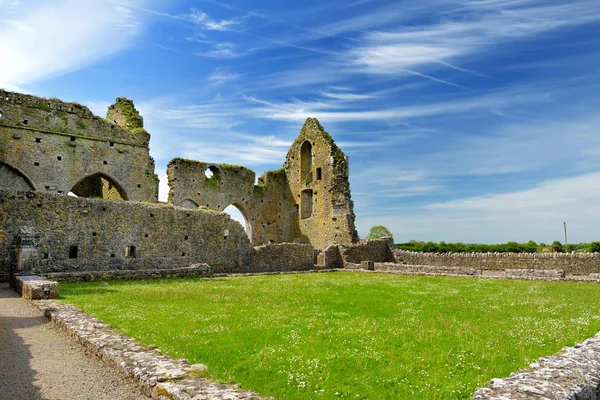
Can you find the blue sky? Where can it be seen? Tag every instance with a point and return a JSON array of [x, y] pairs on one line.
[[473, 121]]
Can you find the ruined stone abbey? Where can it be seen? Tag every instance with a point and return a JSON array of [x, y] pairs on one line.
[[113, 221]]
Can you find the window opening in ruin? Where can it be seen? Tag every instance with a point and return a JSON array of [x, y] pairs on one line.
[[94, 233], [319, 174], [99, 186], [73, 250], [306, 204], [59, 158], [73, 138], [37, 164], [130, 251], [235, 212], [25, 122], [306, 162], [38, 140], [46, 256], [105, 162], [112, 255], [112, 144], [2, 114]]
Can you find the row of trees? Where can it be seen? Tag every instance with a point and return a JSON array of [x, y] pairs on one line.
[[379, 231]]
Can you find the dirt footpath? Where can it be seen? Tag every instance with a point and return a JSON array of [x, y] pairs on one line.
[[39, 361]]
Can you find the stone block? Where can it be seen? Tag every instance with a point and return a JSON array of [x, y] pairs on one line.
[[33, 287]]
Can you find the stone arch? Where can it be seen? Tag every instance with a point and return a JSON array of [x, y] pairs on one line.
[[306, 162], [13, 179], [246, 224], [188, 203], [99, 185]]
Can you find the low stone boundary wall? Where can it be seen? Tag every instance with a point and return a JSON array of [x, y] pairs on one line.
[[572, 263], [159, 376], [571, 374], [33, 287], [428, 269], [193, 271], [535, 273]]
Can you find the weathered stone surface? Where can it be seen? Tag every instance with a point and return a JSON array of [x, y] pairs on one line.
[[159, 376], [33, 287], [571, 263], [55, 147], [572, 374], [317, 175], [377, 250], [158, 236], [284, 257], [193, 271], [534, 273], [307, 201]]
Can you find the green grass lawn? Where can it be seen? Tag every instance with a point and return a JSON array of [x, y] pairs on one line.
[[349, 335]]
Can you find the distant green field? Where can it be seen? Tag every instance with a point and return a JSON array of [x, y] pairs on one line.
[[350, 335]]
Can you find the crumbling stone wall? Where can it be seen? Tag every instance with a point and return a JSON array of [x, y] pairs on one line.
[[77, 236], [317, 173], [572, 263], [267, 207], [56, 147], [307, 201], [111, 235], [377, 250]]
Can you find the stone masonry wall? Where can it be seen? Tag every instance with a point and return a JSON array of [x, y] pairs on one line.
[[577, 263], [266, 207], [377, 250], [102, 230], [49, 146], [317, 172], [284, 257]]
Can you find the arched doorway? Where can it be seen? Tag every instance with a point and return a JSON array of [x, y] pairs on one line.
[[13, 179], [306, 162], [99, 186], [236, 214]]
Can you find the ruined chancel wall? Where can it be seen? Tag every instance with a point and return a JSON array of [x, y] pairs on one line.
[[307, 201], [51, 146]]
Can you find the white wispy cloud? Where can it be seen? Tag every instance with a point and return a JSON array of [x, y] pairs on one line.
[[222, 76], [467, 28], [75, 34], [202, 19], [296, 110], [221, 50]]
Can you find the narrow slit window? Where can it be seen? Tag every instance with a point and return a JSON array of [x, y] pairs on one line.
[[319, 174]]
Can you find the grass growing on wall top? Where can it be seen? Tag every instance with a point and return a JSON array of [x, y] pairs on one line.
[[350, 335]]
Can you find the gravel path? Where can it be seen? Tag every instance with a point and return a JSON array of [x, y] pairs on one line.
[[39, 361]]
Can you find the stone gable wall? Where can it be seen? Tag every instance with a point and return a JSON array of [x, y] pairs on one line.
[[332, 218]]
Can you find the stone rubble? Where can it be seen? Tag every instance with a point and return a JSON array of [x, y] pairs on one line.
[[159, 376], [571, 374]]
